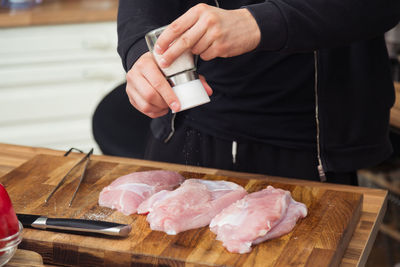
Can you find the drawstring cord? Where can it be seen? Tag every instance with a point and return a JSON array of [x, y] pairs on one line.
[[234, 151], [320, 167], [172, 128]]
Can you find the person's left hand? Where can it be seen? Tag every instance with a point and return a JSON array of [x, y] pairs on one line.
[[209, 32]]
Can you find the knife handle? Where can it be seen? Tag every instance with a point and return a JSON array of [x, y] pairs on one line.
[[101, 227]]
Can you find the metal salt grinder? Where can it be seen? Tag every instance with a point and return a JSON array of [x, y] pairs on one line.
[[181, 75]]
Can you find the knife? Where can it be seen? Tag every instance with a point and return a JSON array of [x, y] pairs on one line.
[[78, 225]]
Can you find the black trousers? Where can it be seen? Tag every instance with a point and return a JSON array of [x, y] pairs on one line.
[[192, 147], [118, 128]]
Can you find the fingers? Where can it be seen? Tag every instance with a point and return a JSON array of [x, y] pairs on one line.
[[185, 42], [143, 106], [209, 32], [183, 34], [202, 45], [175, 30], [143, 102], [158, 82], [148, 90], [212, 52], [144, 93]]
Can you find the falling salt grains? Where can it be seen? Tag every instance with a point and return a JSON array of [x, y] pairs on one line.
[[188, 149], [97, 216]]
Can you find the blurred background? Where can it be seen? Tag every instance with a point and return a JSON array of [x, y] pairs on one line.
[[58, 60]]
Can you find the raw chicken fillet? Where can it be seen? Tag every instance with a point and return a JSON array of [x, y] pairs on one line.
[[190, 206], [257, 217], [127, 192]]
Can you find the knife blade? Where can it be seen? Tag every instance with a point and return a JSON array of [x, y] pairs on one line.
[[76, 225]]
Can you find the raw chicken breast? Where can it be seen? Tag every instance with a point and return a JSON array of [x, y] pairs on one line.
[[147, 205], [127, 192], [190, 206], [257, 217], [295, 211]]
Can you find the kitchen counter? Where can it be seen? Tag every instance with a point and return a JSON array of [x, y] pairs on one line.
[[51, 12], [49, 54], [356, 254]]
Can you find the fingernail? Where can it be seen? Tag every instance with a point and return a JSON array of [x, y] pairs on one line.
[[174, 106], [162, 62], [157, 48]]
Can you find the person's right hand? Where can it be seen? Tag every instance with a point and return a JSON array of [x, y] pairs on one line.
[[149, 91]]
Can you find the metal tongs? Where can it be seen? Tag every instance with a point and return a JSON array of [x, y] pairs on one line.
[[87, 158]]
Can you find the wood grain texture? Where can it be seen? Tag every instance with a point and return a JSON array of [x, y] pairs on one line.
[[320, 238], [51, 12], [356, 253], [26, 258]]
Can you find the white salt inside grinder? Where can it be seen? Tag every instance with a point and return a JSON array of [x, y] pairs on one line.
[[182, 63], [181, 74]]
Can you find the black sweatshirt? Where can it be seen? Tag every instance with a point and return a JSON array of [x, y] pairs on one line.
[[324, 55]]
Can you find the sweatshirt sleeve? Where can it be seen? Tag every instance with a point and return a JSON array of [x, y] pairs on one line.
[[135, 19], [307, 25]]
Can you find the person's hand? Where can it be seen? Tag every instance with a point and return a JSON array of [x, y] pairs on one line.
[[148, 90], [209, 32]]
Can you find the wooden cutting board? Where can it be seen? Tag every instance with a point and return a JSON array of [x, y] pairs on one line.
[[25, 258], [320, 239]]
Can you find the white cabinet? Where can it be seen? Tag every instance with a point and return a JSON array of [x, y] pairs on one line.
[[51, 80]]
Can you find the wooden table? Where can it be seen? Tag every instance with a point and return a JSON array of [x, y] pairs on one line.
[[51, 12], [374, 203]]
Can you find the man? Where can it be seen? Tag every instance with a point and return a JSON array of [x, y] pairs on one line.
[[299, 88]]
